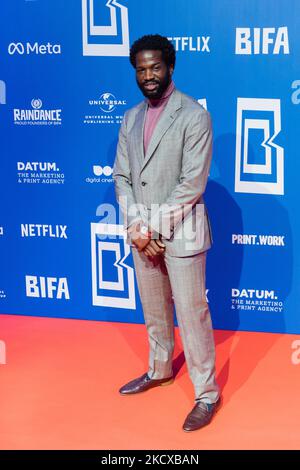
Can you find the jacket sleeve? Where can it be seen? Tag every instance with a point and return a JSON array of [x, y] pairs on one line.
[[196, 159], [122, 180]]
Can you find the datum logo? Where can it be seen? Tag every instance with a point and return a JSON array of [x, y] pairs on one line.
[[105, 30], [259, 165]]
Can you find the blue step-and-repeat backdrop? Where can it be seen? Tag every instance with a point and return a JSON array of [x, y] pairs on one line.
[[65, 83]]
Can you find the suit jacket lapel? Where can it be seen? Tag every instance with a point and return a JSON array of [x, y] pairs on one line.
[[138, 132], [165, 121]]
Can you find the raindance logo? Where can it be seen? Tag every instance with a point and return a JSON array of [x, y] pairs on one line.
[[256, 300], [108, 109], [37, 116], [39, 173]]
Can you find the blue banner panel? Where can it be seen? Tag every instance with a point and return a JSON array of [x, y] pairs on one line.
[[65, 84]]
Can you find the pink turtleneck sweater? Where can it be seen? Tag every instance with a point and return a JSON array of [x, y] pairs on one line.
[[155, 108]]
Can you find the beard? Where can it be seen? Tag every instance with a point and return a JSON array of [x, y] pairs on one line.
[[156, 91]]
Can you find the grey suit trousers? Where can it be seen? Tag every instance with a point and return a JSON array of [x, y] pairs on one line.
[[163, 282]]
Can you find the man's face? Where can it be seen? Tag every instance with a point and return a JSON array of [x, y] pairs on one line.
[[152, 74]]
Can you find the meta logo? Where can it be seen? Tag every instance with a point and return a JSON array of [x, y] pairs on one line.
[[296, 93], [35, 48], [191, 44], [262, 41], [2, 92], [259, 166], [112, 279], [105, 29], [47, 287], [40, 230]]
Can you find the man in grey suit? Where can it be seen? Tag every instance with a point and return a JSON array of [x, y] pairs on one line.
[[160, 174]]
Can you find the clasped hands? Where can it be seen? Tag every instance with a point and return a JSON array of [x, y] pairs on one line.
[[144, 241]]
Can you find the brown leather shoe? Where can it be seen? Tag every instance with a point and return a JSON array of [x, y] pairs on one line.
[[201, 415], [143, 383]]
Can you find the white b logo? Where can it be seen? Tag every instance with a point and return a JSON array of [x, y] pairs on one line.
[[105, 40], [259, 165]]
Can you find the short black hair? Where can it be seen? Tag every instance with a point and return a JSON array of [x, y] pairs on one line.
[[154, 42]]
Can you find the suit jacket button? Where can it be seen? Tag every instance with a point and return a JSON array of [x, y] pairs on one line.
[[144, 183]]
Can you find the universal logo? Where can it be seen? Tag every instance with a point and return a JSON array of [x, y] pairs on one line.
[[37, 116], [33, 48], [108, 110]]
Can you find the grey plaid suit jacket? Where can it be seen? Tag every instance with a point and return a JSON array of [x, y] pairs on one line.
[[165, 187]]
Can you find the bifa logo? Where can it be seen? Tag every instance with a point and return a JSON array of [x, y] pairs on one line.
[[105, 30], [262, 41], [296, 354], [112, 278], [259, 165], [47, 287], [2, 92]]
